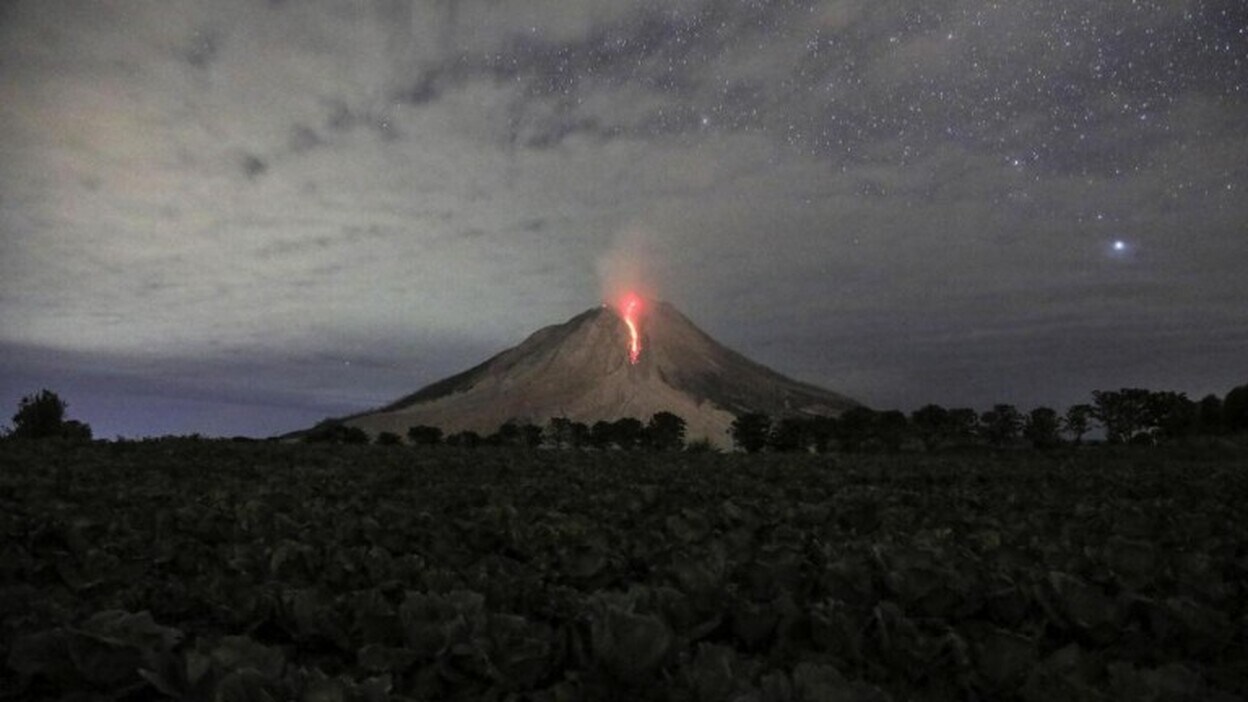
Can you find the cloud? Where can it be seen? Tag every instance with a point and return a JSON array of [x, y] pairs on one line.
[[257, 178]]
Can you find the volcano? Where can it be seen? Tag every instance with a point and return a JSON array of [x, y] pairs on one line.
[[605, 364]]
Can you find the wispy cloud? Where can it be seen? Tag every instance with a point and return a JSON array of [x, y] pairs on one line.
[[246, 179]]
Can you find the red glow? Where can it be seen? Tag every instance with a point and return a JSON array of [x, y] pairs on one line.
[[630, 311]]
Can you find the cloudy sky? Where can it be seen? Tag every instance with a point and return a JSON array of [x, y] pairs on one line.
[[240, 216]]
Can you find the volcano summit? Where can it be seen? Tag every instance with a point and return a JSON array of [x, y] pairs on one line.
[[605, 364]]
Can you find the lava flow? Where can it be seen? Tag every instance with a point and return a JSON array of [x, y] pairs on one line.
[[631, 310]]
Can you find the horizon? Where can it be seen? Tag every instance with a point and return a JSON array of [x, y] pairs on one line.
[[241, 218], [614, 308]]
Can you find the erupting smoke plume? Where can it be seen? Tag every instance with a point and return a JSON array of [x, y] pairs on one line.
[[628, 267], [625, 272]]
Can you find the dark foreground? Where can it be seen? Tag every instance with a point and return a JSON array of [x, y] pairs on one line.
[[211, 570]]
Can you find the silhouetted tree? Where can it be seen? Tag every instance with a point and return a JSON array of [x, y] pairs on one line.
[[891, 428], [560, 432], [75, 430], [464, 439], [578, 434], [1078, 421], [854, 428], [424, 435], [1124, 413], [1235, 410], [787, 435], [388, 438], [962, 424], [1042, 428], [666, 432], [932, 426], [507, 434], [1001, 424], [1210, 416], [42, 416], [516, 434], [321, 433], [821, 431], [627, 433], [531, 436], [750, 431], [1171, 415], [39, 416], [702, 445], [332, 431], [600, 434]]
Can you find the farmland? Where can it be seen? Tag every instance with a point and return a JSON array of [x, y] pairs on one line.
[[220, 570]]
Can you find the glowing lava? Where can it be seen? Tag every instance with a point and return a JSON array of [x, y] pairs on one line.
[[631, 309]]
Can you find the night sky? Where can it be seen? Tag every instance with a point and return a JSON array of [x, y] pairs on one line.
[[239, 217]]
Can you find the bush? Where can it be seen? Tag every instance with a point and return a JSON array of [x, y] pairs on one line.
[[751, 431], [75, 430], [1235, 409], [702, 445], [423, 435], [42, 416], [464, 439], [334, 432], [666, 432]]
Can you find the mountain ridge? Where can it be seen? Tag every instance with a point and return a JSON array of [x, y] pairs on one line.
[[580, 369]]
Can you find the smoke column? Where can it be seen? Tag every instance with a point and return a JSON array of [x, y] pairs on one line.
[[625, 273], [628, 267]]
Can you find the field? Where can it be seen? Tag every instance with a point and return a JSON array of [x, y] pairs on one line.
[[252, 571]]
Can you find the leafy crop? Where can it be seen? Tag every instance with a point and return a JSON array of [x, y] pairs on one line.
[[212, 570]]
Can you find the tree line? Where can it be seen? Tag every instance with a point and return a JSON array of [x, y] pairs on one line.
[[1126, 416], [664, 431]]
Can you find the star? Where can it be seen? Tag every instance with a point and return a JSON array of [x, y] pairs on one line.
[[494, 157]]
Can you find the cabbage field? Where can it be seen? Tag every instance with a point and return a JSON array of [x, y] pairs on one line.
[[214, 570]]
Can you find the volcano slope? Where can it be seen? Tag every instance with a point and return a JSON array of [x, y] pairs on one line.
[[581, 370]]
